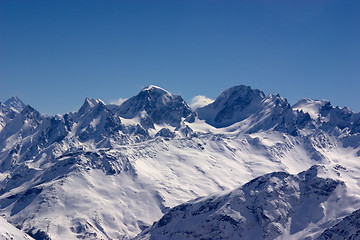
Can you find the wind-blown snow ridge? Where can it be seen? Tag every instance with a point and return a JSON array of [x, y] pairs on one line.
[[155, 88]]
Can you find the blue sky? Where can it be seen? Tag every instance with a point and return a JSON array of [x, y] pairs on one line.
[[53, 54]]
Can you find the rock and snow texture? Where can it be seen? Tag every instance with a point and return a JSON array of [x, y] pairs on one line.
[[110, 171], [9, 232], [339, 121], [271, 206]]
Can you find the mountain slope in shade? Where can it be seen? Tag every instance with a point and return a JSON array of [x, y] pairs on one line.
[[346, 229], [270, 206], [9, 232]]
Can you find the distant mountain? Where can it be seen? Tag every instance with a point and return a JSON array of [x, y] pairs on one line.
[[110, 171]]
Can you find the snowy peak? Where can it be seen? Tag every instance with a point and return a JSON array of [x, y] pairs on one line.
[[232, 105], [155, 105], [242, 104], [15, 104], [241, 95], [95, 121], [89, 104]]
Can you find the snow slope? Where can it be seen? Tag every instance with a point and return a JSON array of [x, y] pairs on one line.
[[9, 232]]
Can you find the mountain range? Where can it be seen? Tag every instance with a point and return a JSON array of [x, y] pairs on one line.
[[246, 166]]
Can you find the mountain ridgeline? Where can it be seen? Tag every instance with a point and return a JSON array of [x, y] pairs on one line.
[[257, 167]]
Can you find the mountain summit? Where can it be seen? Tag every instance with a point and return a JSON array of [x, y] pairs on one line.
[[155, 105], [232, 105], [15, 104]]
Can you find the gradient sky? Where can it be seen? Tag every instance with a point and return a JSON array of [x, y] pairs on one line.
[[53, 54]]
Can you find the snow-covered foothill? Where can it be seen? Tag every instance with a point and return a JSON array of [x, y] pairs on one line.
[[273, 206]]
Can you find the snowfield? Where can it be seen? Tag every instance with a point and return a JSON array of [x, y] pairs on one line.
[[152, 168]]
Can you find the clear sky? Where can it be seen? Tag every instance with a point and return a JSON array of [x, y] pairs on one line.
[[53, 54]]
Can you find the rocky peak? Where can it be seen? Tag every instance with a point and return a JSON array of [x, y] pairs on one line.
[[15, 104], [90, 104], [156, 105], [232, 105]]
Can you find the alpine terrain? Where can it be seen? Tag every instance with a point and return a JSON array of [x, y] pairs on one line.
[[246, 166]]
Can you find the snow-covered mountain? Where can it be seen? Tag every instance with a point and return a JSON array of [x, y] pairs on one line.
[[109, 172], [271, 206]]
